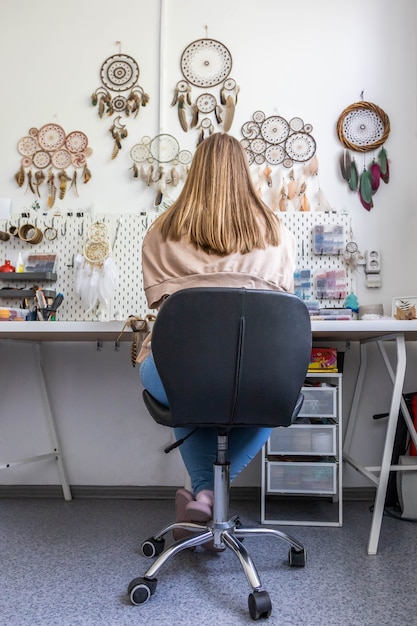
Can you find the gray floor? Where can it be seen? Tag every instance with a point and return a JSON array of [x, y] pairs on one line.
[[69, 564]]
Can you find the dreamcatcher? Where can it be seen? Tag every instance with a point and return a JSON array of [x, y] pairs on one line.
[[159, 162], [96, 272], [364, 127], [273, 141], [206, 63], [119, 73], [47, 149]]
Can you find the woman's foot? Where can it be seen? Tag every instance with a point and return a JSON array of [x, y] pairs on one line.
[[183, 497], [201, 509]]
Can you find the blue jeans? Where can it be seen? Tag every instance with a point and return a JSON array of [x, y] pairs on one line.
[[200, 450]]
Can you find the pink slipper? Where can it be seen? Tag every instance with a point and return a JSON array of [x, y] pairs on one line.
[[198, 511], [183, 497]]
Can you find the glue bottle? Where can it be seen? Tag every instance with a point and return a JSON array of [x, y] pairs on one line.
[[20, 268]]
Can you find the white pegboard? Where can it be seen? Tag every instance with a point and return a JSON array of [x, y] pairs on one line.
[[301, 225], [126, 232]]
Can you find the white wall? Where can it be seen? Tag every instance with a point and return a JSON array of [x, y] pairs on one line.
[[301, 58]]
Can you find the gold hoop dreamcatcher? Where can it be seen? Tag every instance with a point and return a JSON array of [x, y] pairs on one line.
[[364, 127]]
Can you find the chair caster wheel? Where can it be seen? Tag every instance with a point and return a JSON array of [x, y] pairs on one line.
[[153, 547], [259, 604], [141, 589], [297, 558]]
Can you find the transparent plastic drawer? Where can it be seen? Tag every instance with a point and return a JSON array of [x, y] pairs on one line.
[[303, 439], [319, 402], [303, 477]]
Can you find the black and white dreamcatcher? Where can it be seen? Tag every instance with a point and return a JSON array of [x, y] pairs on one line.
[[119, 73], [206, 63], [364, 127], [160, 162]]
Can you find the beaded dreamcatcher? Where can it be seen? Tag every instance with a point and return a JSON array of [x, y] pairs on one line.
[[159, 162], [364, 127], [119, 73], [47, 149], [274, 141], [206, 63]]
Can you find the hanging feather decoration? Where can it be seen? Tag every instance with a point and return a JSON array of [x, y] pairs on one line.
[[292, 186], [311, 168], [345, 164], [182, 113], [384, 165], [283, 202], [374, 175], [305, 203], [20, 176], [353, 178], [323, 203], [229, 115], [267, 173], [365, 190]]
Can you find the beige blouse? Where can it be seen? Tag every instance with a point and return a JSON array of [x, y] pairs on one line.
[[168, 266]]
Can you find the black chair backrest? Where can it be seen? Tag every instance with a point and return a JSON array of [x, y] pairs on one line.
[[232, 357]]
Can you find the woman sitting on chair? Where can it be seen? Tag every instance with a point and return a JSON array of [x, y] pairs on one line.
[[218, 233]]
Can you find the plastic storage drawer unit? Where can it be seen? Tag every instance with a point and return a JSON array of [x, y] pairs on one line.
[[319, 402], [303, 477], [303, 439]]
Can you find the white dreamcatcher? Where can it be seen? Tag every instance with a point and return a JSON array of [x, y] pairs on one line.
[[206, 63]]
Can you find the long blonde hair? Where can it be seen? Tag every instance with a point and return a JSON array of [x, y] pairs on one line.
[[218, 209]]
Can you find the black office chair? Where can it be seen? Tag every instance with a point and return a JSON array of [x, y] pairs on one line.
[[228, 358]]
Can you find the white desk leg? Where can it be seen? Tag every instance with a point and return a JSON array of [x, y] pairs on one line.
[[52, 430], [355, 401], [398, 382]]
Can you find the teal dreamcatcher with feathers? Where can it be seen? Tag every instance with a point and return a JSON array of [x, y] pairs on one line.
[[364, 127]]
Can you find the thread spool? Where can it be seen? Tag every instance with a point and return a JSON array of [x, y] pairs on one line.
[[30, 233]]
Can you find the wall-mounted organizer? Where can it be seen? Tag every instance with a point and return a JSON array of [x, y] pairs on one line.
[[126, 233], [302, 464]]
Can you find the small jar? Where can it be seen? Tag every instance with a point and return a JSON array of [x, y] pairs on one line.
[[7, 267]]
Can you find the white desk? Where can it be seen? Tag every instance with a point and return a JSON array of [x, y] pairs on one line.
[[365, 332], [379, 332], [37, 333]]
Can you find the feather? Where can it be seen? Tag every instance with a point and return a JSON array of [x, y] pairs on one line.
[[385, 177], [374, 175], [20, 176], [365, 187], [267, 173], [305, 203], [312, 166], [383, 161], [345, 164], [30, 182], [181, 113], [175, 98], [283, 202], [367, 205], [353, 178], [194, 120], [218, 113], [292, 186], [323, 203], [175, 179], [229, 115]]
